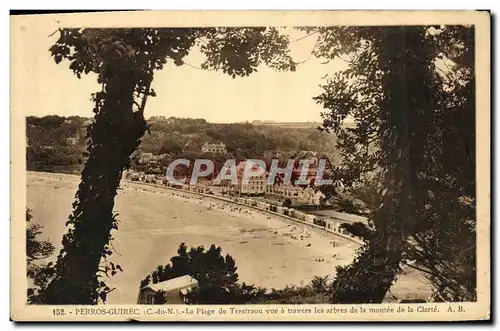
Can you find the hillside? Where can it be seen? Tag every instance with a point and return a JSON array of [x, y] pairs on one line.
[[174, 134], [57, 144]]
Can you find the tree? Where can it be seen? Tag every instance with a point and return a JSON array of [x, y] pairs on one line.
[[449, 261], [124, 61], [358, 229], [408, 113], [36, 250], [216, 275]]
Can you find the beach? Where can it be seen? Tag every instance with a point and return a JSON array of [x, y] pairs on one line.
[[270, 251]]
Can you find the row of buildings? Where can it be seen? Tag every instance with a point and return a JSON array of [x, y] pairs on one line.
[[214, 148], [256, 185], [153, 161], [260, 186]]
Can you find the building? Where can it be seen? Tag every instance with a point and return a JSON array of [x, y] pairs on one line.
[[71, 141], [255, 185], [174, 289], [284, 191], [292, 192], [150, 158], [214, 148]]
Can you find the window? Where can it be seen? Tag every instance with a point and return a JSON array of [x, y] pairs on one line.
[[150, 299]]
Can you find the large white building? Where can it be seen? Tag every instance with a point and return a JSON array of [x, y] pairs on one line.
[[150, 158], [214, 148]]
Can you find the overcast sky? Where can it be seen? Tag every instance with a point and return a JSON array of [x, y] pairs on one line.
[[183, 91]]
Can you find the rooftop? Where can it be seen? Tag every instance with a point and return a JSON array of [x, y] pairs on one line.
[[173, 284]]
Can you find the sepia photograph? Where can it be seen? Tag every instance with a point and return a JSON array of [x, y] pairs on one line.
[[211, 166]]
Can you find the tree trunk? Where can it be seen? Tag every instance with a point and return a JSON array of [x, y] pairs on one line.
[[371, 275], [115, 135]]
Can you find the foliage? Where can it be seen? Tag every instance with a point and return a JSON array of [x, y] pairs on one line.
[[320, 284], [124, 61], [317, 291], [346, 203], [368, 190], [160, 298], [55, 143], [410, 92], [177, 135], [37, 250], [177, 138]]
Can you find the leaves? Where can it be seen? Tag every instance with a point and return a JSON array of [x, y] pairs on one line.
[[36, 249], [239, 51], [396, 96]]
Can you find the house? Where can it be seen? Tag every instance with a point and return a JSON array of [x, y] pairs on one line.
[[287, 191], [174, 290], [71, 141], [214, 148], [150, 158]]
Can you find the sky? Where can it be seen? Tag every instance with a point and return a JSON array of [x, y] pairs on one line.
[[184, 91]]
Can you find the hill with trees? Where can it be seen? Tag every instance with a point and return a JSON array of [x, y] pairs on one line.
[[57, 144]]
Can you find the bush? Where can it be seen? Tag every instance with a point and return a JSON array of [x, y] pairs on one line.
[[357, 229], [216, 275]]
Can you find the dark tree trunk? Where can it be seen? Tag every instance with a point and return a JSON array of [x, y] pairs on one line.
[[114, 136], [371, 275]]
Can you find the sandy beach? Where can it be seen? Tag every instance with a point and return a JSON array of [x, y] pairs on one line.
[[269, 250]]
